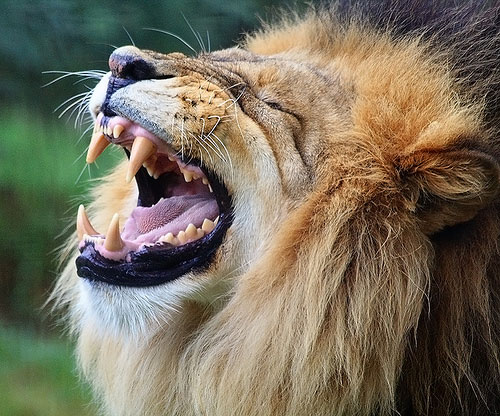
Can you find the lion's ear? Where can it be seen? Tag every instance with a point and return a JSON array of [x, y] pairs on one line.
[[449, 186]]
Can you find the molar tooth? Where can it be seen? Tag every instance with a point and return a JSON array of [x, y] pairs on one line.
[[97, 145], [181, 236], [142, 149], [190, 231], [83, 225], [117, 130], [171, 158], [169, 238], [113, 240], [216, 220], [204, 180], [207, 225], [188, 176], [199, 233]]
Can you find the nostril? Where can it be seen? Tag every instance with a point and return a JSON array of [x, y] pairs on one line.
[[124, 63]]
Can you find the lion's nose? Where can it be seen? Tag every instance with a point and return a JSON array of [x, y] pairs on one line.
[[128, 62]]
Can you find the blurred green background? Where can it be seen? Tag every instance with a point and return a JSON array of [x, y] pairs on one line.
[[43, 176]]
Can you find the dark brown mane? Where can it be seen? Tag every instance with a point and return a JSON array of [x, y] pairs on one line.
[[467, 33]]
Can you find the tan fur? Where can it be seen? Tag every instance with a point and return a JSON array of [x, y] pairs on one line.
[[342, 290]]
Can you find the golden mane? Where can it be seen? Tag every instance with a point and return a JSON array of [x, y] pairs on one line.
[[380, 294]]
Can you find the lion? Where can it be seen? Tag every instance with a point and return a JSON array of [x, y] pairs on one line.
[[306, 223]]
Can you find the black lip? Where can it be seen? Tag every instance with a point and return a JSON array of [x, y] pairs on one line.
[[161, 263]]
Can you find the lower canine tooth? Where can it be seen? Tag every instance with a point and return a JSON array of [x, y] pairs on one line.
[[113, 240], [83, 225]]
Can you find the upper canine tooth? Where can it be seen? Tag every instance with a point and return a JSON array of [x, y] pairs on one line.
[[210, 188], [113, 240], [83, 225], [142, 149], [97, 145], [117, 130]]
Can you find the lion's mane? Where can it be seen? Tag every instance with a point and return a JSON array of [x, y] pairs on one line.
[[355, 308]]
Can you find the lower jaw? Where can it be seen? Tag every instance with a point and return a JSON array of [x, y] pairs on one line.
[[152, 266]]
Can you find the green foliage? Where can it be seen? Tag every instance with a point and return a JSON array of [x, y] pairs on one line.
[[39, 170], [37, 377]]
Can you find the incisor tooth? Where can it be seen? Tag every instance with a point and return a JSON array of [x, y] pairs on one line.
[[83, 225], [181, 236], [117, 130], [142, 149], [113, 240], [97, 145], [191, 231], [207, 225]]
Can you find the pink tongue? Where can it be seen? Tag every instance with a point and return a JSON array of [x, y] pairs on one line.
[[171, 215]]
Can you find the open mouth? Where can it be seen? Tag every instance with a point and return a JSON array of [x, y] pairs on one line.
[[183, 212]]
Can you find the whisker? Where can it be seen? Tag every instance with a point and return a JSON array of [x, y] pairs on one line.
[[94, 74], [128, 34], [208, 42], [225, 149], [77, 97], [84, 133], [195, 33], [81, 173], [202, 145], [165, 32]]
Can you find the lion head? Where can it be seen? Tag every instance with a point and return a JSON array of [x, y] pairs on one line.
[[307, 223]]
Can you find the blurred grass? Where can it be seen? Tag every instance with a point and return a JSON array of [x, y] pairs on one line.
[[41, 183], [37, 377]]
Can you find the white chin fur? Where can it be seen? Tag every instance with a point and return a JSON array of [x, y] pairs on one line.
[[131, 312]]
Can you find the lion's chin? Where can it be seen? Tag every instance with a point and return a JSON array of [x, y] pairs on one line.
[[134, 313]]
